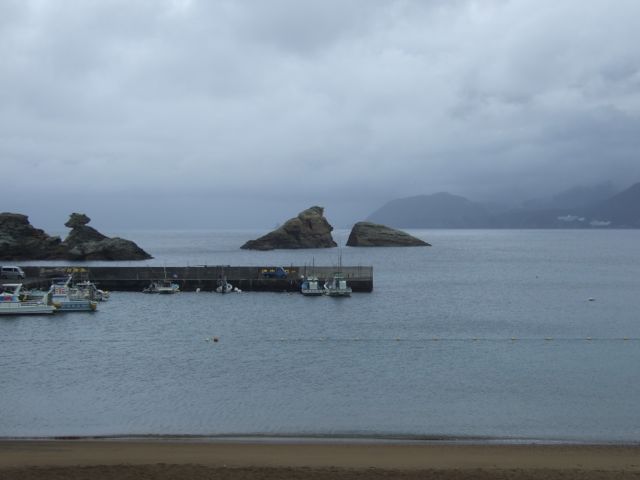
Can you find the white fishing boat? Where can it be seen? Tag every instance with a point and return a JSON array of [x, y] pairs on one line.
[[311, 287], [10, 303], [89, 290], [162, 286], [337, 286], [68, 299], [226, 287], [34, 294], [152, 288], [167, 287]]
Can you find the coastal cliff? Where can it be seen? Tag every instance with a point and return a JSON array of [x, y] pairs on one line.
[[19, 240], [367, 234], [310, 229]]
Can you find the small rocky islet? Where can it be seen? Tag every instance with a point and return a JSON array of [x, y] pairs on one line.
[[19, 240], [310, 229], [367, 234]]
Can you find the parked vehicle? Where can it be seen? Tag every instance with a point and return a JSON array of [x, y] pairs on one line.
[[11, 271], [277, 272]]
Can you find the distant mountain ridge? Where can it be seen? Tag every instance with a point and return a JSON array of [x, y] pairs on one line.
[[574, 197], [445, 210], [622, 210], [439, 210]]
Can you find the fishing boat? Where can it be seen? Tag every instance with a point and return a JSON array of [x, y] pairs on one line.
[[89, 290], [68, 299], [311, 287], [225, 287], [162, 286], [10, 303], [167, 287], [34, 295], [337, 286]]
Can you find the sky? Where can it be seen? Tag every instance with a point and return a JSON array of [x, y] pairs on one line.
[[241, 113]]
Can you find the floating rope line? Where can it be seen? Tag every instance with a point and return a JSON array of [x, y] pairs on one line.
[[231, 337], [460, 339]]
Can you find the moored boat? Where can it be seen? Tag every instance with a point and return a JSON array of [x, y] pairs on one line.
[[68, 299], [10, 303], [226, 287], [89, 290], [311, 287], [163, 287], [337, 286], [34, 295]]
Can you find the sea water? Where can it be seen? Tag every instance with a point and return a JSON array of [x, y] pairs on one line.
[[488, 335]]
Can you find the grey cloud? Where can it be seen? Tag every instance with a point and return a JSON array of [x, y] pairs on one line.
[[355, 102]]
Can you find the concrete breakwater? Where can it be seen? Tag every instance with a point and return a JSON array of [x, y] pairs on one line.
[[204, 277]]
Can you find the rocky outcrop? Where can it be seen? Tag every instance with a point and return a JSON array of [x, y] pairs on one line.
[[367, 234], [19, 240], [77, 220], [86, 243], [310, 229]]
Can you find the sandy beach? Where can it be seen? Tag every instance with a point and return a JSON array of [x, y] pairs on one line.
[[109, 459]]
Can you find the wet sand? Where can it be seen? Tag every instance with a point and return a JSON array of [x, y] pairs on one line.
[[168, 459]]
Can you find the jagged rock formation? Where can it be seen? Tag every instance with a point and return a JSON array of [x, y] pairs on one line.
[[77, 220], [310, 229], [19, 240], [367, 234], [86, 243]]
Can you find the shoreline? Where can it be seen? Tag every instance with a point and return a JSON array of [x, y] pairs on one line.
[[68, 451], [163, 458], [346, 439]]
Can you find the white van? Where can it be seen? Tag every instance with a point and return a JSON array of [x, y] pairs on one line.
[[11, 271]]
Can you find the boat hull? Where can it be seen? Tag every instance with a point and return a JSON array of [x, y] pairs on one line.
[[76, 306], [338, 293], [22, 309], [312, 293]]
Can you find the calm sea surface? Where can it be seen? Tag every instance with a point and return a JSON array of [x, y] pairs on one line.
[[488, 334]]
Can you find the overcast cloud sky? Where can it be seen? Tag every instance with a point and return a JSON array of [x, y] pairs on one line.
[[241, 113]]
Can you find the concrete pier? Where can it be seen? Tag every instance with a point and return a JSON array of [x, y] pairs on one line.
[[204, 277]]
